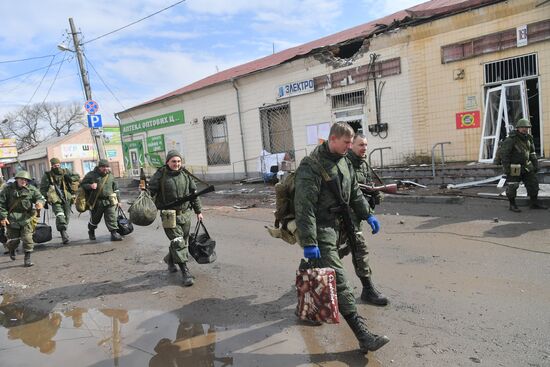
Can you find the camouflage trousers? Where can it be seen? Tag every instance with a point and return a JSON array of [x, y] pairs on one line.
[[62, 213], [329, 258], [179, 237], [103, 208], [21, 234], [360, 257], [529, 179]]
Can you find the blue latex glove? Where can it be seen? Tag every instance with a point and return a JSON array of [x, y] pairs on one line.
[[374, 224], [312, 252]]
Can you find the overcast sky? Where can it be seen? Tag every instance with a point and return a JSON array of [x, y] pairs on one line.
[[165, 52]]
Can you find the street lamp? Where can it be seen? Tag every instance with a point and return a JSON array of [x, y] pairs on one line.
[[63, 47]]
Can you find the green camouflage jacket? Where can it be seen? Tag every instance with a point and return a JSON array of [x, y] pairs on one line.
[[361, 167], [167, 186], [110, 187], [20, 200], [519, 149], [313, 199], [62, 180]]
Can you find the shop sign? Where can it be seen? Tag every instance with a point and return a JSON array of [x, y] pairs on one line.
[[112, 136], [157, 122], [296, 88], [467, 120], [155, 144], [71, 151], [111, 153], [133, 154], [155, 160]]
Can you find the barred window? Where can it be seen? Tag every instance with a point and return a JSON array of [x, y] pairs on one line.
[[276, 129], [217, 143], [348, 99]]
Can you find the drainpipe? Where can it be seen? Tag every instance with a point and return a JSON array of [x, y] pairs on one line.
[[122, 146], [240, 124]]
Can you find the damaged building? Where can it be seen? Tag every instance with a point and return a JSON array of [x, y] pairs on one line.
[[458, 73]]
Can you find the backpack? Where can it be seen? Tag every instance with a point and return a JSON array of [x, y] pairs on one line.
[[285, 225], [80, 200]]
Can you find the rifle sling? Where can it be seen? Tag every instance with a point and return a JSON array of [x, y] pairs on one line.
[[100, 190]]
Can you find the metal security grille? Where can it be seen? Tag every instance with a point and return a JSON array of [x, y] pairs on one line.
[[276, 128], [217, 145], [510, 69], [348, 99]]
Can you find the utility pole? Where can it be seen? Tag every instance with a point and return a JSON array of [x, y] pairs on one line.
[[97, 134]]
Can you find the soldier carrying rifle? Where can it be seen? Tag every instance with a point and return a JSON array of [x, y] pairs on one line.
[[57, 187], [360, 253]]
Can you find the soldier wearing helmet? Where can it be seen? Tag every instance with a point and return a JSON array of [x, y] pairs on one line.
[[17, 212], [520, 164]]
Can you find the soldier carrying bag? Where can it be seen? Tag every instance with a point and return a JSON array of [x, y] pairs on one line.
[[125, 227], [43, 231], [201, 246]]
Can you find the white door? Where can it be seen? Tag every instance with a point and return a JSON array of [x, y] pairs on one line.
[[504, 106]]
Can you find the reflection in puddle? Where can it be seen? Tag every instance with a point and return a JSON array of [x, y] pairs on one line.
[[118, 337]]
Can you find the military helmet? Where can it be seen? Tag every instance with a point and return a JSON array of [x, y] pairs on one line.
[[523, 123], [23, 174]]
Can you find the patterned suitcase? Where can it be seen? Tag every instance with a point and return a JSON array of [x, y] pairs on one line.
[[316, 290]]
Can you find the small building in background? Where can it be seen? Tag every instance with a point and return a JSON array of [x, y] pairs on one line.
[[76, 152]]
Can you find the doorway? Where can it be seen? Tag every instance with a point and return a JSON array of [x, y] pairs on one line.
[[504, 106]]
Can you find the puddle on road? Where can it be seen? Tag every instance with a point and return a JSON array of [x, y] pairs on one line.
[[118, 337]]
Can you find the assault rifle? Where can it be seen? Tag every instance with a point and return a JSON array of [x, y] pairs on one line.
[[343, 209], [187, 198], [369, 190]]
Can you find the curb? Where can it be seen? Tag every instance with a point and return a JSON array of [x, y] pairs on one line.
[[424, 199]]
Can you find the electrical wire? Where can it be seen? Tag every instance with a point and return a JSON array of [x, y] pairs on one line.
[[31, 71], [41, 80], [131, 24], [29, 58], [54, 79]]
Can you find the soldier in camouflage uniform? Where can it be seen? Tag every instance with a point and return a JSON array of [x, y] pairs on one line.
[[360, 255], [518, 151], [319, 226], [169, 184], [102, 197], [59, 199], [16, 213]]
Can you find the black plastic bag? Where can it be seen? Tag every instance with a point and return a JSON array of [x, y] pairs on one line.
[[42, 231], [201, 246], [124, 225]]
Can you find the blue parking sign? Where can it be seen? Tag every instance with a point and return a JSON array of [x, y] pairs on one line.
[[94, 121]]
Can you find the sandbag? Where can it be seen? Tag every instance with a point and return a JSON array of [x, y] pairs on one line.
[[125, 227], [143, 211]]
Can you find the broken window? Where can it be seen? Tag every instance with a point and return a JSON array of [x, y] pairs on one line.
[[509, 69], [277, 129], [217, 143]]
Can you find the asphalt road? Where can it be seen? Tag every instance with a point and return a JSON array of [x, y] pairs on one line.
[[468, 285]]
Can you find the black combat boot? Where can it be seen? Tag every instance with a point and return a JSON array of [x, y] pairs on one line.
[[115, 236], [513, 205], [535, 204], [367, 340], [27, 261], [12, 254], [171, 266], [91, 232], [188, 279], [64, 237], [371, 294]]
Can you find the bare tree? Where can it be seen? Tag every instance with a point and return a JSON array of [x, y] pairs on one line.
[[62, 118], [24, 125], [30, 125]]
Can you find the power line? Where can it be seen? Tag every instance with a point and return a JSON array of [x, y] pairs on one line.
[[54, 79], [41, 80], [31, 71], [131, 24], [29, 58]]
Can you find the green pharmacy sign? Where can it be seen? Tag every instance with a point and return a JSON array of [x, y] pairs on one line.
[[157, 122], [155, 160], [155, 144]]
